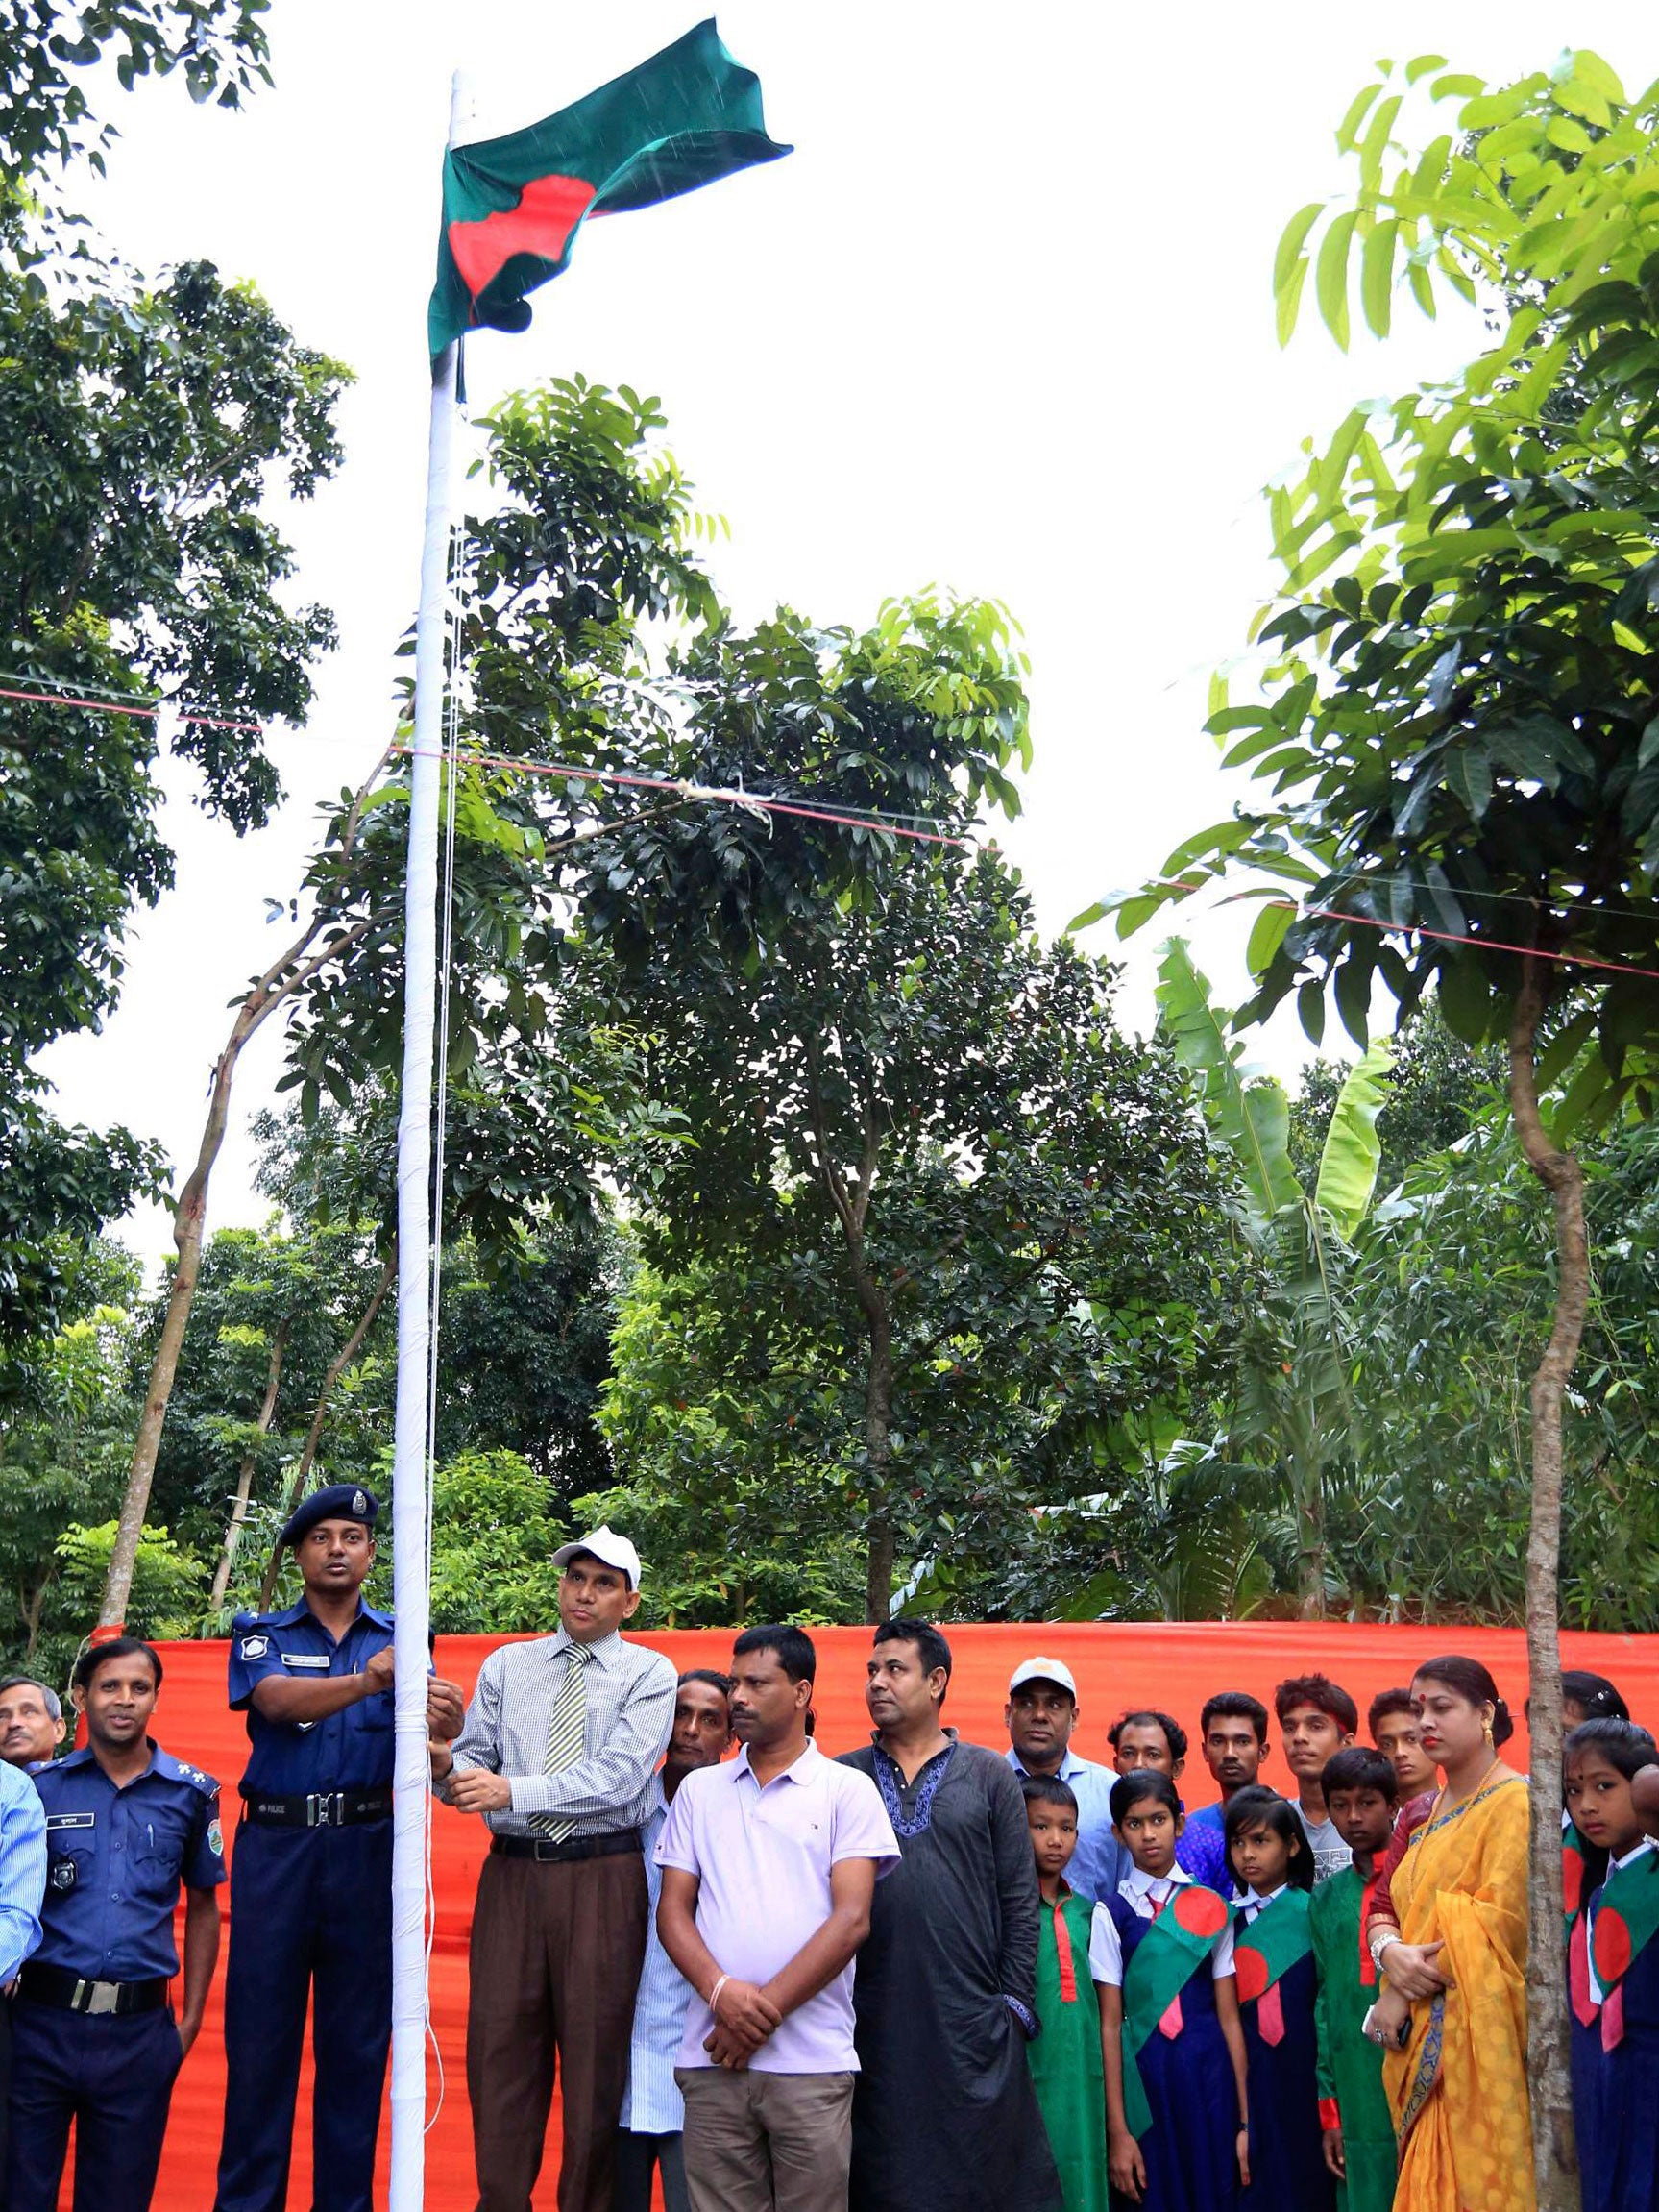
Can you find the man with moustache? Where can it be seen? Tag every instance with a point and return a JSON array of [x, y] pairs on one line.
[[95, 2045], [311, 1887], [1041, 1717], [558, 1754], [768, 1867], [944, 2114], [31, 1723], [653, 2110]]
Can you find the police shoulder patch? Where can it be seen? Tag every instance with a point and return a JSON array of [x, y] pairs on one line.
[[255, 1647], [216, 1838]]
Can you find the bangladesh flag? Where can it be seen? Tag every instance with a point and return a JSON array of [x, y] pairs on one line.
[[513, 205]]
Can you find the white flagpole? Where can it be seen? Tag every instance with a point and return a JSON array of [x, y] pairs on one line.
[[412, 1569]]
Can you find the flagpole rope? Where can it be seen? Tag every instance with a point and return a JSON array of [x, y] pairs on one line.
[[723, 795], [441, 1087]]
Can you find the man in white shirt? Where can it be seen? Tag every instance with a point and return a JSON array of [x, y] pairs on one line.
[[653, 2110], [768, 1867]]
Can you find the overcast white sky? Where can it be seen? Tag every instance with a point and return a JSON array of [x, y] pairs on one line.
[[1003, 322]]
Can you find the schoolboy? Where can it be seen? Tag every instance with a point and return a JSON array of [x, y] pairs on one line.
[[1360, 1796]]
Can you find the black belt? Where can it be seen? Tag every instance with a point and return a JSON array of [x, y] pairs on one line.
[[320, 1809], [56, 1985], [551, 1854]]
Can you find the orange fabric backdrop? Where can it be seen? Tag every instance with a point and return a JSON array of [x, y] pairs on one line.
[[1173, 1665]]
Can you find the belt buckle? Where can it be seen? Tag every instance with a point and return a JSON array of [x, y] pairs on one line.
[[96, 1997], [325, 1809]]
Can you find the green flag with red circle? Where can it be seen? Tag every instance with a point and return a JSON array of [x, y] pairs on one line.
[[513, 207], [1180, 1939]]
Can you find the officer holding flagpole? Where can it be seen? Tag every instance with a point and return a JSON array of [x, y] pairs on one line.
[[311, 1871]]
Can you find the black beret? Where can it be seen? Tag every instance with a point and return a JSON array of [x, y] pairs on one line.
[[339, 1502]]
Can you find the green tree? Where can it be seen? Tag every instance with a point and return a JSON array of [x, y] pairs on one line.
[[916, 1133], [145, 427], [47, 117], [1454, 745]]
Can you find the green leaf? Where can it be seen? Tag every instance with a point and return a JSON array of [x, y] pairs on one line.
[[1253, 1120], [1563, 1048], [1456, 87], [1352, 984], [1267, 934], [1421, 66], [1348, 1161], [1377, 277], [1466, 999], [1333, 277], [1293, 238], [1286, 302], [1469, 775], [1347, 130], [1310, 1011]]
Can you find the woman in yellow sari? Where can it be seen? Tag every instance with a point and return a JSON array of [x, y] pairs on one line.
[[1455, 2063]]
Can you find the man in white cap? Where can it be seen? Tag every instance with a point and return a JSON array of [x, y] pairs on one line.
[[1040, 1717], [558, 1752]]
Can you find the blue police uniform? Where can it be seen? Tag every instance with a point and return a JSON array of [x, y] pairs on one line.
[[310, 1918], [94, 2039]]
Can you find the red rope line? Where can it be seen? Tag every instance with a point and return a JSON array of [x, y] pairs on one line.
[[108, 707], [699, 791], [1452, 936]]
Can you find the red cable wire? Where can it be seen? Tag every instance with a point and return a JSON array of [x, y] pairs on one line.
[[108, 707], [1452, 937]]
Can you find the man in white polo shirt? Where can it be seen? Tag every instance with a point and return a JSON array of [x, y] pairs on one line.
[[769, 1863]]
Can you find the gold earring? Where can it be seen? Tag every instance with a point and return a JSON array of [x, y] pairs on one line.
[[1486, 1731]]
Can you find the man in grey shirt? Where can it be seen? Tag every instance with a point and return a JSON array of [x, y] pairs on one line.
[[558, 1752]]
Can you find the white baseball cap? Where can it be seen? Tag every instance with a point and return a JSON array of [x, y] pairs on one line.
[[1042, 1670], [604, 1544]]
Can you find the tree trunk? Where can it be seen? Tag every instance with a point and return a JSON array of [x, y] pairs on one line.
[[287, 974], [877, 1425], [244, 1473], [337, 1366], [31, 1617], [1547, 2057]]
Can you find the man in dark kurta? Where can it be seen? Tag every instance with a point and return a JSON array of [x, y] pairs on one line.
[[944, 2114]]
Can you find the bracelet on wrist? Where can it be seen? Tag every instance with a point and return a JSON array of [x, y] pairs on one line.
[[715, 1993]]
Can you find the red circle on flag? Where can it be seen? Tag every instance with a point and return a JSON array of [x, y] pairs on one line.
[[1199, 1911], [1252, 1971], [1612, 1944], [1572, 1879]]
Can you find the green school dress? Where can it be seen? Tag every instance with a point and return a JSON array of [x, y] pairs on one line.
[[1349, 2068], [1067, 2068]]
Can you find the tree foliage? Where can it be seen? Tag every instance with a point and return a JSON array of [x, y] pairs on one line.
[[144, 429], [1455, 743]]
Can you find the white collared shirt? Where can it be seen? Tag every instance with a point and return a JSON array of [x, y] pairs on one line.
[[1251, 1901], [1145, 1895]]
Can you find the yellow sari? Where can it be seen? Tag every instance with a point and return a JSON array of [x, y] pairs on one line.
[[1459, 2089]]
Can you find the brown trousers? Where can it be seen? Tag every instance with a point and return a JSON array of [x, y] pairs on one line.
[[759, 2142], [555, 1963]]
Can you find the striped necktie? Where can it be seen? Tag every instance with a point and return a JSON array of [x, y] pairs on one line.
[[566, 1733]]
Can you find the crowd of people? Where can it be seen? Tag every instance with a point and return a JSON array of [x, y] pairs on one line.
[[926, 1972]]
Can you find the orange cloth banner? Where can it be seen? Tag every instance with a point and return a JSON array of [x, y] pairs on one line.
[[1173, 1665]]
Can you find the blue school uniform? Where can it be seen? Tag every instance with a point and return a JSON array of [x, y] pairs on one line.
[[1616, 2063], [1190, 2149], [1280, 2046]]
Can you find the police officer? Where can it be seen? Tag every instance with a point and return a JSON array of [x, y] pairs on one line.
[[311, 1880], [93, 2037]]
